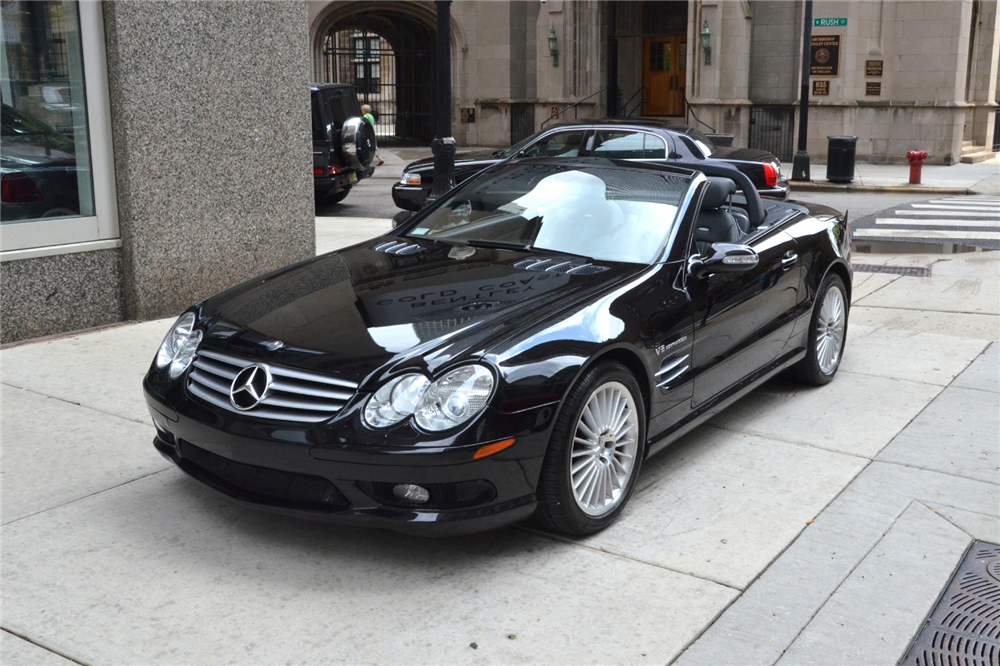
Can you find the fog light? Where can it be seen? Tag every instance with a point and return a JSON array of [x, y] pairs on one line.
[[409, 492]]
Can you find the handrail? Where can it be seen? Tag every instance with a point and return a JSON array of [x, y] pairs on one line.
[[687, 107], [628, 114], [571, 106]]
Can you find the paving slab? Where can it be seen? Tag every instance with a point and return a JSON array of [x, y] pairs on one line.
[[721, 505], [868, 283], [102, 369], [56, 452], [984, 373], [854, 414], [874, 614], [164, 570], [977, 525], [15, 651], [956, 434], [956, 324], [963, 292], [900, 354], [333, 233], [759, 626]]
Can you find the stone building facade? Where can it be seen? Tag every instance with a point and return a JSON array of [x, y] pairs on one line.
[[908, 75]]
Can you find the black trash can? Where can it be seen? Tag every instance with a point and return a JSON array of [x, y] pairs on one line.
[[840, 158]]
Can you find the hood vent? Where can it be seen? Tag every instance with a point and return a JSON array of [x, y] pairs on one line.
[[558, 266], [396, 247]]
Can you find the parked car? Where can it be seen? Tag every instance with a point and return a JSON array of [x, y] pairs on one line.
[[343, 143], [38, 169], [517, 348], [645, 140]]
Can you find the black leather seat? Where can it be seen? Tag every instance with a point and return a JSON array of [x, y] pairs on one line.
[[715, 224]]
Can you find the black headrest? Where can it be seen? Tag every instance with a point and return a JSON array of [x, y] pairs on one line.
[[718, 191]]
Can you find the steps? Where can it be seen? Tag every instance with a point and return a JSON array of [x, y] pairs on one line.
[[972, 154]]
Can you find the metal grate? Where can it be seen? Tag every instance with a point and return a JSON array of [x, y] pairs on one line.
[[964, 626], [558, 266], [266, 485], [522, 122], [294, 395], [996, 131], [396, 247], [771, 129], [908, 271]]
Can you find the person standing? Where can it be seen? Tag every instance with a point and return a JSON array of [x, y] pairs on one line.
[[366, 112]]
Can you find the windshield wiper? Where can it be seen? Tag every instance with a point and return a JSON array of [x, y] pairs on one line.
[[500, 245]]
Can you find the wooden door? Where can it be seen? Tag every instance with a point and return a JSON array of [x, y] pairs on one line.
[[664, 75]]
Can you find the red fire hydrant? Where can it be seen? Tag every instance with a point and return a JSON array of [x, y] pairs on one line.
[[916, 159]]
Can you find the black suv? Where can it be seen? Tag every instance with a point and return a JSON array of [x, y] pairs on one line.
[[343, 142]]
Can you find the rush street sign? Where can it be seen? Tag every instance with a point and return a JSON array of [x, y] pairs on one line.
[[829, 22]]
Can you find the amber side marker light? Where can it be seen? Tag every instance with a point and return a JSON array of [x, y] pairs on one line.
[[495, 447]]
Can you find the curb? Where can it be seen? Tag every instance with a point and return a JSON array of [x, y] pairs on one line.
[[809, 186]]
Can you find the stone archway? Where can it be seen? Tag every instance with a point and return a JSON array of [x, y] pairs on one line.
[[389, 54]]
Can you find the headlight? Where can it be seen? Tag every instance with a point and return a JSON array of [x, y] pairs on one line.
[[395, 401], [454, 398], [179, 347], [410, 178]]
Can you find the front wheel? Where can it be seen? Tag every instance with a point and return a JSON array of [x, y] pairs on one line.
[[827, 334], [595, 452]]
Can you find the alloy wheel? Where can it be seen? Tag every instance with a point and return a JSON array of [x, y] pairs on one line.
[[830, 330]]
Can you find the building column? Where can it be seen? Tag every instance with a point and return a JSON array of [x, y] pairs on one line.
[[213, 151], [983, 86]]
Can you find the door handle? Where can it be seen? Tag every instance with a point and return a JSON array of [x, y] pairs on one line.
[[789, 259]]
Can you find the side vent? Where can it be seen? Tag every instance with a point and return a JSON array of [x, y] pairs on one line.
[[557, 266], [396, 247], [671, 370]]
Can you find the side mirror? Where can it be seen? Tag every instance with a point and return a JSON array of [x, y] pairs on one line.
[[724, 258], [401, 218]]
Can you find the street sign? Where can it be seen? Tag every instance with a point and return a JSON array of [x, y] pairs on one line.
[[830, 23]]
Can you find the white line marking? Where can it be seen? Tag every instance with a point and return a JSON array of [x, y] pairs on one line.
[[958, 209], [925, 233], [995, 216], [939, 223]]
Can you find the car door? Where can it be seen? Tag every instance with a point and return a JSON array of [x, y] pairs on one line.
[[743, 320]]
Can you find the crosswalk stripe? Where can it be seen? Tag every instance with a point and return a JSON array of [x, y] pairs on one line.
[[981, 224], [905, 213], [964, 202], [926, 233], [957, 209]]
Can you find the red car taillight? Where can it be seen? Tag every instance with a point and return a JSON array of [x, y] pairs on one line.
[[17, 188], [771, 174]]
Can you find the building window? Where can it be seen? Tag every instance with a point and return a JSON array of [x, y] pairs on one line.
[[52, 194]]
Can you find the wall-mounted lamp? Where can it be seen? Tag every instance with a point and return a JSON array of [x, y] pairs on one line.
[[553, 47], [706, 43]]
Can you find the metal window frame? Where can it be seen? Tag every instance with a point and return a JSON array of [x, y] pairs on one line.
[[39, 238]]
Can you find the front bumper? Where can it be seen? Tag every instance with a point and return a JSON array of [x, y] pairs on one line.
[[312, 472]]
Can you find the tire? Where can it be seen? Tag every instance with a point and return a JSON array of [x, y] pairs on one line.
[[357, 140], [826, 327], [605, 477], [336, 197]]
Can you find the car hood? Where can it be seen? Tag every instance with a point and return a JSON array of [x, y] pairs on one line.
[[470, 158], [361, 312], [744, 154]]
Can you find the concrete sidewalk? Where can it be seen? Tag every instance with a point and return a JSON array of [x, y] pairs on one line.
[[801, 526], [981, 178]]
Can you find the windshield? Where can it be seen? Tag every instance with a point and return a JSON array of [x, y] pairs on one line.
[[600, 212]]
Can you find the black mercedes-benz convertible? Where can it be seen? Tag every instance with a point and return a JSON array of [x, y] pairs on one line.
[[516, 349]]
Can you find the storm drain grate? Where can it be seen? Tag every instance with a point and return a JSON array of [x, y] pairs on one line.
[[964, 627], [908, 271]]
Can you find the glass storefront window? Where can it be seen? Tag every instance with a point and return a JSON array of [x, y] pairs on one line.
[[45, 162]]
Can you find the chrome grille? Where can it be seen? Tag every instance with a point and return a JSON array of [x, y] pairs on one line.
[[396, 247], [294, 395], [558, 266]]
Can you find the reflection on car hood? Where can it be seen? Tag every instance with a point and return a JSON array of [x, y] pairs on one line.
[[362, 311]]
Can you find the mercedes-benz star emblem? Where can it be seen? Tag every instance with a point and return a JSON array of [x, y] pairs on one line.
[[250, 386]]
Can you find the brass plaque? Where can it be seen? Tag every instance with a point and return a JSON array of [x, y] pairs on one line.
[[824, 56], [873, 88], [873, 67], [821, 88], [468, 114]]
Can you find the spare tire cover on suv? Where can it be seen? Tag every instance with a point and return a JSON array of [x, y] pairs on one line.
[[358, 140]]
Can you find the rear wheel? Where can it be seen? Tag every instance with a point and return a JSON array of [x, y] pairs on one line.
[[595, 453], [337, 197], [827, 334]]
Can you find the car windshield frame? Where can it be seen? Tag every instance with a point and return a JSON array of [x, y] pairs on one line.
[[635, 211]]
